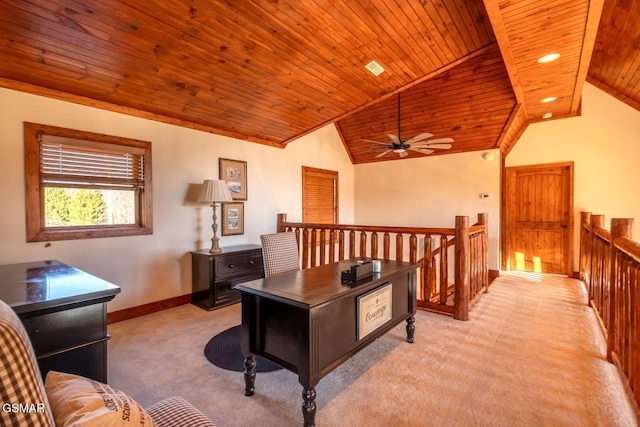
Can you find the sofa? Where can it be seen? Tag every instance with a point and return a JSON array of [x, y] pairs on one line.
[[64, 399]]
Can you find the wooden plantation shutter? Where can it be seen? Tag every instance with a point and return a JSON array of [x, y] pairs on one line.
[[319, 196]]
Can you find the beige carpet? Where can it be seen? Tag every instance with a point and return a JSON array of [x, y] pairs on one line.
[[531, 355]]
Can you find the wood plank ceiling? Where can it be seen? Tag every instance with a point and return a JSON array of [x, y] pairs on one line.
[[272, 71]]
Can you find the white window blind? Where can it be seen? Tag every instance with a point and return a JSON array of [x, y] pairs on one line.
[[68, 161]]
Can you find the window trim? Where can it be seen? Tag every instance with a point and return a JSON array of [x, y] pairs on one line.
[[34, 194]]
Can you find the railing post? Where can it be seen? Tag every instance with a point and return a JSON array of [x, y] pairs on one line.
[[282, 218], [585, 219], [620, 227], [462, 267]]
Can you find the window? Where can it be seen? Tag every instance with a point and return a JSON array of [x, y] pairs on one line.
[[319, 196], [82, 185]]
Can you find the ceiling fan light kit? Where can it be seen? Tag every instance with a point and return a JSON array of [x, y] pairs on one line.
[[419, 143]]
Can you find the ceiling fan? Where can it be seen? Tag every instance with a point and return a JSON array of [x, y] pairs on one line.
[[417, 143]]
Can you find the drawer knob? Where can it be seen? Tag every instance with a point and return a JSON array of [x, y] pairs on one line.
[[231, 265], [252, 262]]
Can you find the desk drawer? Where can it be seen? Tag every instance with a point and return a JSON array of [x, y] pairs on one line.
[[64, 329]]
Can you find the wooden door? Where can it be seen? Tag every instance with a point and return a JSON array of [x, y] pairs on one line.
[[539, 218]]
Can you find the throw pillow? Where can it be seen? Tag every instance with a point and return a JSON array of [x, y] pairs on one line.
[[80, 401]]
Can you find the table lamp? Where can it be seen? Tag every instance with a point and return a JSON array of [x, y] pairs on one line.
[[214, 191]]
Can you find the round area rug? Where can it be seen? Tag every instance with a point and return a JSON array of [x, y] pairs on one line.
[[223, 350]]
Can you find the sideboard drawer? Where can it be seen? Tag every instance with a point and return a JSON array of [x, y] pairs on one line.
[[239, 265]]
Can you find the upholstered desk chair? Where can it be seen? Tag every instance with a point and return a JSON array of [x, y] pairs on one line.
[[280, 253], [67, 399]]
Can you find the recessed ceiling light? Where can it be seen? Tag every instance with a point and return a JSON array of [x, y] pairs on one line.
[[548, 58], [549, 99], [375, 68], [547, 115]]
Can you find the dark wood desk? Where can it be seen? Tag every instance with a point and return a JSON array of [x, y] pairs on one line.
[[64, 311], [309, 322]]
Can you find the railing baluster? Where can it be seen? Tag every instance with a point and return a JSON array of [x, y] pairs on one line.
[[332, 246], [314, 246], [305, 248], [413, 248], [399, 247], [341, 245], [427, 291], [374, 245], [386, 243], [444, 273], [323, 247], [363, 244], [352, 244]]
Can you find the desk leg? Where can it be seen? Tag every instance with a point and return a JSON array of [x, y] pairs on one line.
[[309, 407], [249, 375], [411, 328]]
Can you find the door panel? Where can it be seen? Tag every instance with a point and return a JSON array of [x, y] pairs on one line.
[[539, 205]]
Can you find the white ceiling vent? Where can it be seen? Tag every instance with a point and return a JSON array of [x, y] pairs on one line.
[[375, 68]]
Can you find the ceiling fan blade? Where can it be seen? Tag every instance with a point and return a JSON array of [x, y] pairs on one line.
[[419, 137], [375, 142], [383, 153], [421, 150], [440, 146], [439, 140], [403, 154], [394, 138]]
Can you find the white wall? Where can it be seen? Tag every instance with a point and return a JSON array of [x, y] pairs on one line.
[[157, 267], [431, 192], [604, 144]]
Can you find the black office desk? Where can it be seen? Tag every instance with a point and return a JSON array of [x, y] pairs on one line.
[[309, 322], [64, 311]]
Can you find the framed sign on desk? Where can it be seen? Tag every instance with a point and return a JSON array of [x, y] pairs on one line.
[[374, 309]]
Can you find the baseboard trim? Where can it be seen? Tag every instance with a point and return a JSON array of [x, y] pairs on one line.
[[494, 273], [152, 307]]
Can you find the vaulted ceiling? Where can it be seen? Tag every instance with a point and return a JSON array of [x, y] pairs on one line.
[[272, 71]]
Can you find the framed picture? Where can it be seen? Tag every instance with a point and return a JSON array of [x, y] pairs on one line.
[[234, 172], [232, 218]]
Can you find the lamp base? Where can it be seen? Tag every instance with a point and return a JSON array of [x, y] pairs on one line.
[[215, 247]]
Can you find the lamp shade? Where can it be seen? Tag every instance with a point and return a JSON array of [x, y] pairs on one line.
[[214, 190]]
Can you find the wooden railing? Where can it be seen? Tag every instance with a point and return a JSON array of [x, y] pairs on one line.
[[609, 266], [324, 243]]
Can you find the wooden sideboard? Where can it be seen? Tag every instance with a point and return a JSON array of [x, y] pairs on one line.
[[214, 274], [64, 311]]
